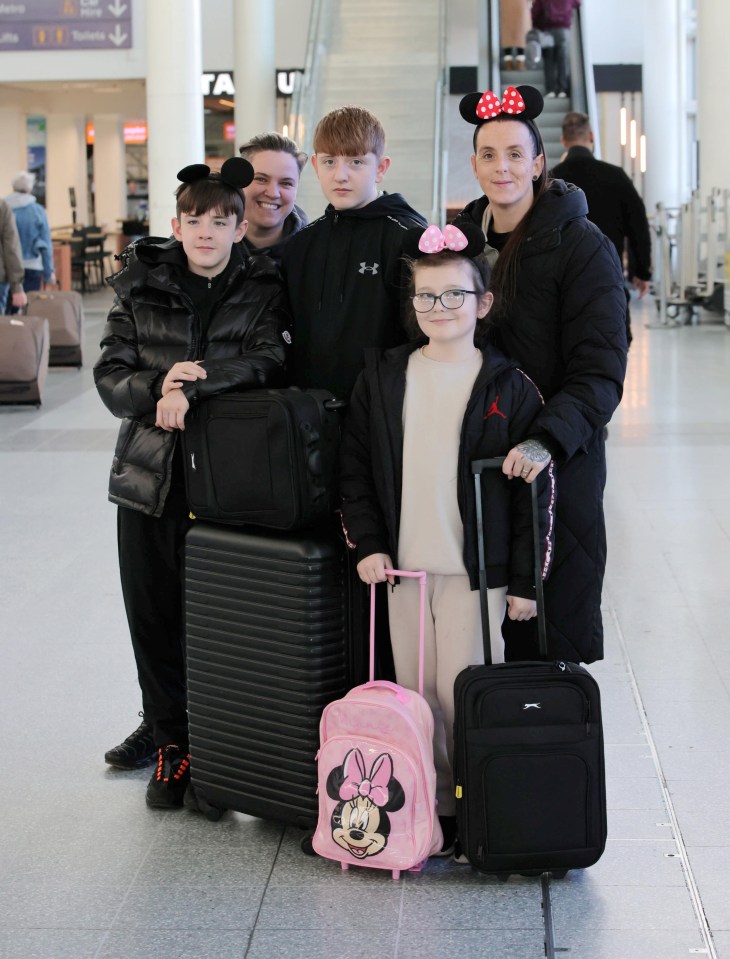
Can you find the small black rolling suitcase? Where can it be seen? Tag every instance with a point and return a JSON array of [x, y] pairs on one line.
[[268, 647], [528, 752]]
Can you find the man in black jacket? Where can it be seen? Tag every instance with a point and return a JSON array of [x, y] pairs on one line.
[[193, 316], [613, 202]]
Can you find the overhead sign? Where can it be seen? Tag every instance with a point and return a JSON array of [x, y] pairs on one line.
[[221, 84], [66, 25]]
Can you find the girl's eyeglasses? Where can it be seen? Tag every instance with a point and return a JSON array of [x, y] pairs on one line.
[[450, 300]]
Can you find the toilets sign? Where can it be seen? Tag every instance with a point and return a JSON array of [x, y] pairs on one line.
[[66, 25]]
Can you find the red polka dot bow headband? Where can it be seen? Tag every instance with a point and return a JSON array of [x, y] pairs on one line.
[[523, 103], [490, 105]]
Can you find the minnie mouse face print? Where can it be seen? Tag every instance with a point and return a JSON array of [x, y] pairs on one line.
[[360, 822]]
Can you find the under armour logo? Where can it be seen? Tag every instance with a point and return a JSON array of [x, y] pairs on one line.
[[286, 336], [364, 268], [532, 706], [494, 409]]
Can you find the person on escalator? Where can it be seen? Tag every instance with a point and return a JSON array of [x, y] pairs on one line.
[[556, 18]]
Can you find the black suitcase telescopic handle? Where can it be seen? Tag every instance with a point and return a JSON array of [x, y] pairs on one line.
[[477, 468]]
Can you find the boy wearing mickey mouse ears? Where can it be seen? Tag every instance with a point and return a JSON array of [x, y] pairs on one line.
[[194, 315]]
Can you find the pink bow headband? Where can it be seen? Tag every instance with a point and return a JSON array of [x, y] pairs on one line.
[[466, 239], [372, 785], [434, 241]]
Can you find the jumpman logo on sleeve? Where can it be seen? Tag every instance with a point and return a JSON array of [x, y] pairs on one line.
[[495, 409]]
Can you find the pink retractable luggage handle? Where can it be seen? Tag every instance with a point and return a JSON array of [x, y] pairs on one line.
[[421, 577]]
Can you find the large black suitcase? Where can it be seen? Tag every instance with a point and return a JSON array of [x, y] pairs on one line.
[[268, 646], [528, 752], [263, 457]]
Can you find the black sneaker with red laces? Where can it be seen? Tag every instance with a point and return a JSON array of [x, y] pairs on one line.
[[137, 750], [166, 789]]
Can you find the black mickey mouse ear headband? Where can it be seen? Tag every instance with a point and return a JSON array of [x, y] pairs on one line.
[[236, 172], [523, 102], [467, 239]]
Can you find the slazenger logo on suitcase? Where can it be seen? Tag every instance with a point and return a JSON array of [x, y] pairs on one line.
[[532, 706]]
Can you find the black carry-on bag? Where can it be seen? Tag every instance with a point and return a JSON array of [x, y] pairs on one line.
[[263, 458], [528, 750]]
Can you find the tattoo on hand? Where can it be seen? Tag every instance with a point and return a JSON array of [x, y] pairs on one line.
[[534, 450]]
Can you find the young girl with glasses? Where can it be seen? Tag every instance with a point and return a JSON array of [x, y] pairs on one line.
[[418, 416]]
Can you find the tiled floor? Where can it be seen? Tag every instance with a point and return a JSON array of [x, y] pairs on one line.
[[88, 872]]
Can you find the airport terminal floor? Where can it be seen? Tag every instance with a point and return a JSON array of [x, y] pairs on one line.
[[88, 872]]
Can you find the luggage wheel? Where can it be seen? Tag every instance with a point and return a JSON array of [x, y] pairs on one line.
[[306, 845], [195, 800]]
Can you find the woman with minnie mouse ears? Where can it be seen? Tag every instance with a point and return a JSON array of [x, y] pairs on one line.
[[560, 312], [419, 414], [193, 316]]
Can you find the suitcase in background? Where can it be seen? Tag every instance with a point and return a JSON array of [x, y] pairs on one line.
[[64, 311], [263, 457], [528, 752], [268, 646], [24, 346]]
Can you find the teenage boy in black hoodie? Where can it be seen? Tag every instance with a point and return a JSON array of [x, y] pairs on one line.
[[343, 271]]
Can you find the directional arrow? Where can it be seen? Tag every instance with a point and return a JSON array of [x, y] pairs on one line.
[[117, 8], [117, 38]]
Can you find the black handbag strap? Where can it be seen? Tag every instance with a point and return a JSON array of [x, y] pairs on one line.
[[478, 467]]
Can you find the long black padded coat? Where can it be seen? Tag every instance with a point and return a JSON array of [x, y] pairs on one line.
[[567, 329], [153, 324]]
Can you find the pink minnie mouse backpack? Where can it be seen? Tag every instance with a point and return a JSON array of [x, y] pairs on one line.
[[376, 776]]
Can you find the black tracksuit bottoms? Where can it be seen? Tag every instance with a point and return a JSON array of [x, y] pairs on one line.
[[151, 564]]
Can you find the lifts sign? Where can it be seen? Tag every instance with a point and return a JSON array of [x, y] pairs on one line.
[[66, 25]]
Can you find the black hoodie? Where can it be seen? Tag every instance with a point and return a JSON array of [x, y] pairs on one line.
[[346, 288]]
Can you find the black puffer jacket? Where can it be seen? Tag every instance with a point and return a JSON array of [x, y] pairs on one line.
[[567, 329], [372, 467], [152, 325]]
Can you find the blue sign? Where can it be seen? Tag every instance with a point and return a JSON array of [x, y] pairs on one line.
[[66, 25]]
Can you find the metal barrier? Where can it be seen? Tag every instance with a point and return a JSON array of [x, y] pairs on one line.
[[692, 260]]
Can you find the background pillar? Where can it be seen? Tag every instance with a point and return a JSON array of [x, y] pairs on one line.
[[254, 68], [66, 167], [713, 82], [174, 102], [110, 178]]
